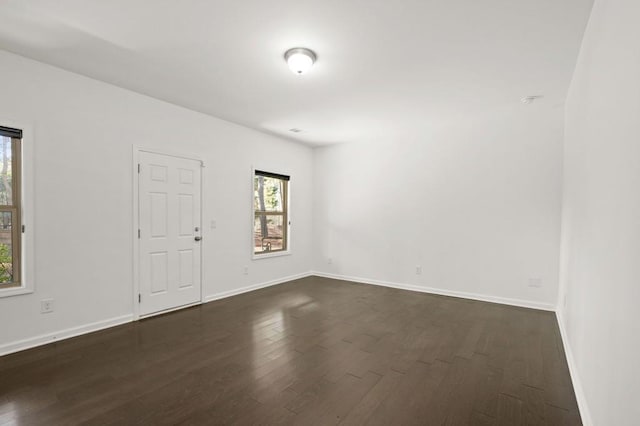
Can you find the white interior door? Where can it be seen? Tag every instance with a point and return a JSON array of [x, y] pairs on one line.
[[169, 197]]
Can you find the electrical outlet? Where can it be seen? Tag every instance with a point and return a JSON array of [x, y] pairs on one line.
[[330, 260], [418, 270], [46, 306], [245, 270], [213, 224], [535, 282]]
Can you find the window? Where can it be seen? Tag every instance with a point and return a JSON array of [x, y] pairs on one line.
[[270, 208], [10, 207]]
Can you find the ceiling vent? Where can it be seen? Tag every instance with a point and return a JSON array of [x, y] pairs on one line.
[[530, 99]]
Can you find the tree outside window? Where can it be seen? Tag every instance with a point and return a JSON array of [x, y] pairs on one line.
[[270, 212]]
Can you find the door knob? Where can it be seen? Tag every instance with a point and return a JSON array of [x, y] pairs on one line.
[[197, 238]]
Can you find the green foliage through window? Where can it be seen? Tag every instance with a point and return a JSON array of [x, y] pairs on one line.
[[10, 210], [6, 264], [270, 211]]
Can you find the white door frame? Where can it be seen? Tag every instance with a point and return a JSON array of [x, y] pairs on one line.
[[136, 150]]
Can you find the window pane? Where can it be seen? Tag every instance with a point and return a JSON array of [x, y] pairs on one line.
[[268, 233], [268, 194], [6, 189], [6, 248]]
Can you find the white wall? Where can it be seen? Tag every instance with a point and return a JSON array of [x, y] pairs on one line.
[[83, 136], [477, 205], [601, 217]]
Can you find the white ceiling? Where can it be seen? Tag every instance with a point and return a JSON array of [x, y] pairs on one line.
[[385, 68]]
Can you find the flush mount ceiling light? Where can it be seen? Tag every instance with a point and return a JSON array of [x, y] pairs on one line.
[[300, 59]]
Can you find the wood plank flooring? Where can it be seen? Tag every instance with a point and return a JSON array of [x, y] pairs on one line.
[[310, 351]]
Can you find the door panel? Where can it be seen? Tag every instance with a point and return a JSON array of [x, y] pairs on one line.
[[158, 212], [185, 216], [169, 197], [158, 272], [185, 263]]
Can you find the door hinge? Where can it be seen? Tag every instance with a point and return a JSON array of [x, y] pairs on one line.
[[138, 234], [139, 168], [139, 298], [23, 229]]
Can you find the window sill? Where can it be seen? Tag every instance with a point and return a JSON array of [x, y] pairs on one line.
[[270, 255], [14, 291]]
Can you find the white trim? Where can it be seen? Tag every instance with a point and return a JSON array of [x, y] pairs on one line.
[[135, 223], [135, 255], [166, 311], [585, 413], [67, 333], [15, 291], [229, 293], [272, 254], [286, 252], [461, 294], [44, 339], [28, 208], [170, 153]]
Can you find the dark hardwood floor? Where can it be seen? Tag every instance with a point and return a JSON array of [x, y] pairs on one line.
[[311, 351]]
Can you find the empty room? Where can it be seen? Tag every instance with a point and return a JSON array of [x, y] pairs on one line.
[[412, 212]]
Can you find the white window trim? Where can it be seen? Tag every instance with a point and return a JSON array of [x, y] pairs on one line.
[[286, 252], [274, 254], [28, 236]]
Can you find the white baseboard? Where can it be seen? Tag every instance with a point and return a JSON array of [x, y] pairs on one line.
[[100, 325], [585, 413], [461, 294], [167, 311], [43, 339], [224, 294], [575, 378]]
